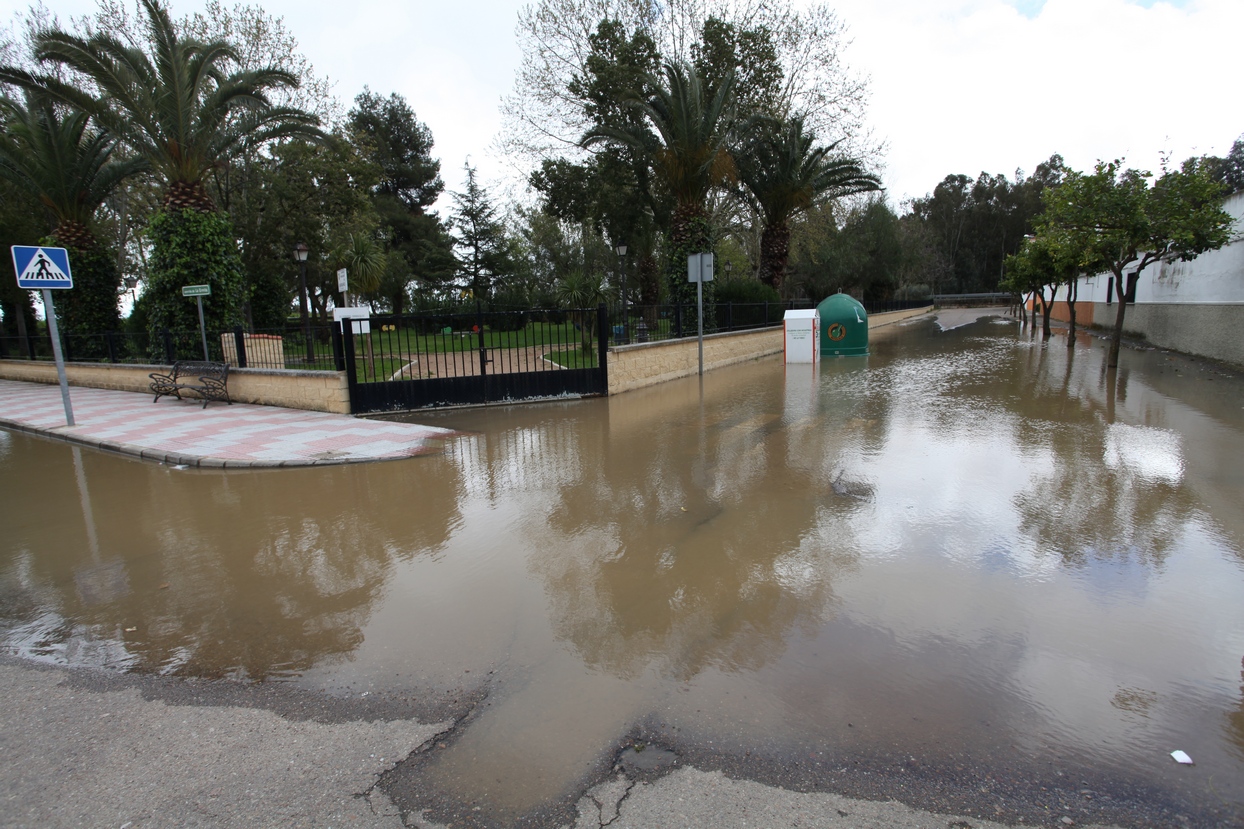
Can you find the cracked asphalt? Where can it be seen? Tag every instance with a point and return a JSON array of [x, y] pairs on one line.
[[92, 749]]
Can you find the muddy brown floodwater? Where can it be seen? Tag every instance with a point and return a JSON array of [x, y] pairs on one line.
[[969, 556]]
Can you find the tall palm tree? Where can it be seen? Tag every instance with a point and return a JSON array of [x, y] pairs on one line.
[[686, 135], [784, 174], [71, 169], [175, 107]]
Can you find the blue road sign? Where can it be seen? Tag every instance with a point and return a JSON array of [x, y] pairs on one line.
[[39, 267]]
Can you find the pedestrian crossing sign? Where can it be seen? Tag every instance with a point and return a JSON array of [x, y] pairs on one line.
[[40, 267]]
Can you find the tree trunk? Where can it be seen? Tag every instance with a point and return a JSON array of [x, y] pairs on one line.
[[689, 233], [1116, 336], [1045, 310], [650, 288], [774, 254], [1073, 293]]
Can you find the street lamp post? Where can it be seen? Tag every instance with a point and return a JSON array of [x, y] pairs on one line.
[[626, 314], [300, 256]]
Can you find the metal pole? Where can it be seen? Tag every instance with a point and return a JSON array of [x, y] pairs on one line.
[[626, 316], [202, 328], [699, 302], [302, 307], [60, 360]]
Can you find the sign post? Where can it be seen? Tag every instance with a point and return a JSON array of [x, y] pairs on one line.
[[699, 271], [198, 292], [47, 269]]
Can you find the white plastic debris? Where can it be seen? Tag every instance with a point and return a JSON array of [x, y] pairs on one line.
[[1182, 757]]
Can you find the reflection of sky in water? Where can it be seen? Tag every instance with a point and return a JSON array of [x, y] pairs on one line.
[[1152, 454]]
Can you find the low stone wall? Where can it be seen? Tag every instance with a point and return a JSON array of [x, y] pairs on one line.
[[646, 364], [1203, 329], [317, 391]]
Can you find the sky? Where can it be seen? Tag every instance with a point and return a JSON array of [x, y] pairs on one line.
[[957, 86]]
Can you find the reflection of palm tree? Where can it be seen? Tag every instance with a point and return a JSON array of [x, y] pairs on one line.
[[661, 553]]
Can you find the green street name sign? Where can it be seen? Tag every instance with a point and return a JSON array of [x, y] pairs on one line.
[[196, 290]]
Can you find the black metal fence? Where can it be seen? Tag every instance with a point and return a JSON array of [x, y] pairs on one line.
[[273, 348], [449, 333], [649, 323]]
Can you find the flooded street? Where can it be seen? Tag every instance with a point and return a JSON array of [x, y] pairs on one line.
[[971, 556]]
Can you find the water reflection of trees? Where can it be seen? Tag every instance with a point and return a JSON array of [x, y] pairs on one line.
[[1092, 493], [240, 573], [686, 537]]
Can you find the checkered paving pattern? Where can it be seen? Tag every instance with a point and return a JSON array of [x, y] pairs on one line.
[[183, 432]]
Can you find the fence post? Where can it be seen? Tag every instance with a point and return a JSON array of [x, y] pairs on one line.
[[339, 354], [111, 339], [602, 346], [729, 316], [170, 356], [4, 346], [483, 352], [345, 330], [678, 321], [239, 344], [68, 351]]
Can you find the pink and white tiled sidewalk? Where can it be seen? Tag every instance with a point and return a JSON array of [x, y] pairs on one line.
[[183, 432]]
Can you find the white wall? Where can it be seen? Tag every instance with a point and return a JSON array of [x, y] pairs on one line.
[[1214, 278]]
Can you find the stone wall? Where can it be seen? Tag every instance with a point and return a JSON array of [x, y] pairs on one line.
[[646, 364], [318, 391], [1205, 330]]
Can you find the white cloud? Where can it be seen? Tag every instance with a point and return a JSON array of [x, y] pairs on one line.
[[959, 86], [971, 86]]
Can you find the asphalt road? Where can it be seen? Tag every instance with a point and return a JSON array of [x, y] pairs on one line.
[[89, 748]]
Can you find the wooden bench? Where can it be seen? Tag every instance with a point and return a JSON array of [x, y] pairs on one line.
[[212, 381]]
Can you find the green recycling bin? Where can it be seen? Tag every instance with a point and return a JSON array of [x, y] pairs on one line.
[[844, 327]]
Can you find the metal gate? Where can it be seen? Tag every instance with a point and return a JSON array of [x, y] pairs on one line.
[[397, 363]]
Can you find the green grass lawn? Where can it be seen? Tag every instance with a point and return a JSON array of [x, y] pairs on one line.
[[573, 357]]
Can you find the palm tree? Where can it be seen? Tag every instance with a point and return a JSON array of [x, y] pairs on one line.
[[71, 169], [175, 106], [53, 156], [688, 147], [784, 174]]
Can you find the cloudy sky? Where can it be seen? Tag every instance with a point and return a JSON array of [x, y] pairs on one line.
[[958, 86]]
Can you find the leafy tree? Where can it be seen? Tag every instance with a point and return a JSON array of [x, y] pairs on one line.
[[480, 238], [544, 115], [784, 175], [1229, 171], [22, 221], [1116, 221], [611, 191], [747, 54], [302, 192], [388, 134], [978, 223], [863, 255], [71, 169], [1045, 261]]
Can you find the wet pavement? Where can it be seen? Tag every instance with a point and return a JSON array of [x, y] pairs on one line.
[[974, 572], [184, 432]]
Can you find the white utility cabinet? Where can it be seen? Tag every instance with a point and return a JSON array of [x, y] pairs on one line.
[[802, 339]]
